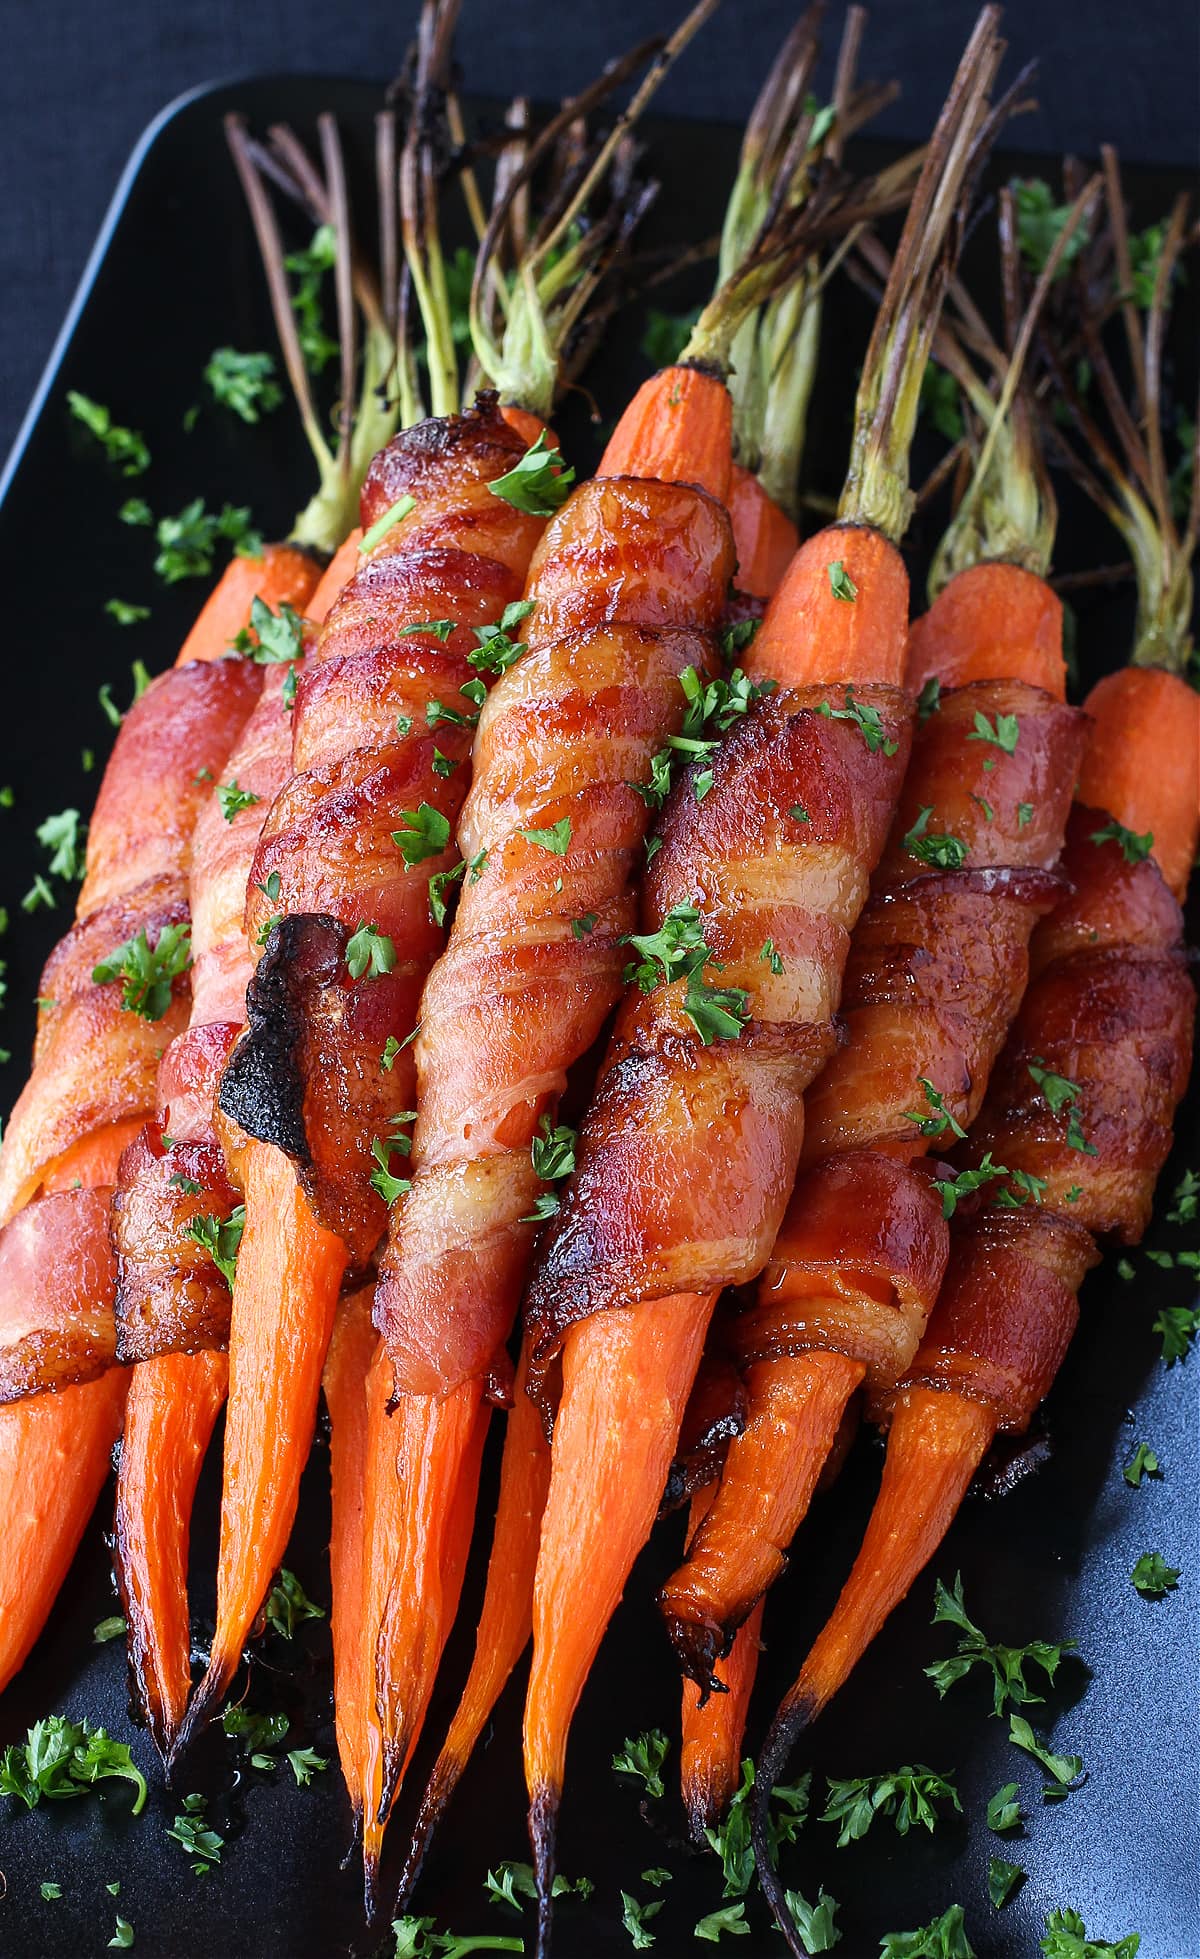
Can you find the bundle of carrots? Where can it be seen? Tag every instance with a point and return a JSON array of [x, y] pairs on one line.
[[487, 778]]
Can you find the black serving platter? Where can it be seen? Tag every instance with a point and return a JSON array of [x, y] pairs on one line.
[[174, 274]]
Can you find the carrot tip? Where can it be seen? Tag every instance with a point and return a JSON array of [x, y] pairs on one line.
[[698, 1645], [443, 1781], [201, 1709], [794, 1715], [372, 1847], [702, 1805], [543, 1837]]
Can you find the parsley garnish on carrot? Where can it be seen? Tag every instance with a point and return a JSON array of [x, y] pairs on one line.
[[146, 971], [539, 484], [840, 582]]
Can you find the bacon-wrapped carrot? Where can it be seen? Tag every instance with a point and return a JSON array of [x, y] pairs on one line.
[[92, 1087], [381, 740], [691, 1142], [176, 1210], [1077, 1121], [936, 973], [627, 588]]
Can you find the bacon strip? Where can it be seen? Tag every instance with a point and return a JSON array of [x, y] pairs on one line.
[[628, 583], [307, 1077], [687, 1155]]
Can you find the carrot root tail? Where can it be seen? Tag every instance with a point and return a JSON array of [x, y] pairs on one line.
[[443, 1781], [543, 1837]]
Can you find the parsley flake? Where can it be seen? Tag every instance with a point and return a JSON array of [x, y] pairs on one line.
[[147, 972], [1133, 848], [1003, 1880], [426, 833], [288, 1605], [393, 515], [556, 839], [840, 582], [221, 1238], [243, 383], [1153, 1577], [1007, 1663], [907, 1795], [60, 1759], [125, 447], [124, 613], [187, 543], [941, 1119], [195, 1835], [232, 799], [943, 852], [867, 720], [1066, 1938], [553, 1151], [539, 484], [929, 700]]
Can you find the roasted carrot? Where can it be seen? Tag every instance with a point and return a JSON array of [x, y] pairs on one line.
[[1150, 797], [625, 1230], [335, 577], [283, 575], [861, 1251], [764, 536], [506, 1620], [352, 1347], [712, 1726], [173, 1403], [1109, 1011], [280, 1330]]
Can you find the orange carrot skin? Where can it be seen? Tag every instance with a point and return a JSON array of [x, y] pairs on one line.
[[810, 635], [764, 536], [280, 1331], [1143, 763], [173, 1403], [712, 1729], [54, 1457], [335, 577], [991, 622], [627, 1373], [284, 575], [679, 429], [506, 1620], [352, 1348]]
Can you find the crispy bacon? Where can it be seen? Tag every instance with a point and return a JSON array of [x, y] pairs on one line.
[[1114, 1018], [628, 583], [855, 1270], [308, 1074], [940, 959], [52, 1334], [688, 1153], [170, 1295]]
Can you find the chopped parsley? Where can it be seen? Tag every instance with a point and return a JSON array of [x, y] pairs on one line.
[[369, 951], [1177, 1326], [929, 700], [866, 719], [61, 836], [426, 833], [417, 1939], [108, 1629], [582, 927], [440, 629], [557, 839], [818, 1933], [243, 383], [123, 1935], [1133, 848], [49, 1890], [436, 712], [940, 1120], [497, 650], [1153, 1577], [907, 1795], [441, 885], [221, 1238], [547, 1205], [124, 613], [288, 1605], [736, 638], [634, 1917], [383, 1178], [1024, 814], [259, 1734], [274, 637], [442, 764], [942, 851], [146, 971], [1143, 1462], [125, 447], [553, 1151], [1002, 733], [728, 1918], [840, 582], [1006, 1663], [1003, 1810], [677, 951], [1062, 1095], [39, 893], [1066, 1938], [304, 1764], [1003, 1879], [1065, 1769], [731, 1838], [187, 543], [643, 1756], [309, 268], [769, 956], [196, 1836], [1040, 221], [945, 1938], [232, 799], [136, 511], [508, 1879], [950, 1189], [1185, 1202], [539, 484], [60, 1759]]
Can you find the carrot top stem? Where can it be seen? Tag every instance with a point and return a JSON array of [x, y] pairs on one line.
[[877, 489], [331, 513], [524, 319], [1008, 513], [1122, 466]]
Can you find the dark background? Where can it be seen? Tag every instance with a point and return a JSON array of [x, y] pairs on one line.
[[79, 81]]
